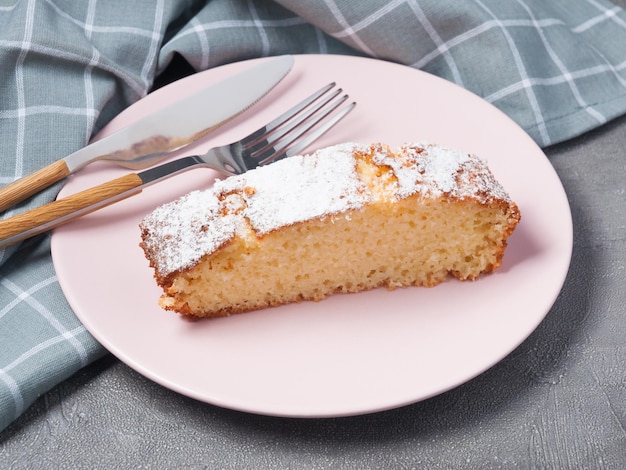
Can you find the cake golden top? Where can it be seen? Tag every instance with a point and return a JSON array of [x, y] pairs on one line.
[[326, 183], [433, 171]]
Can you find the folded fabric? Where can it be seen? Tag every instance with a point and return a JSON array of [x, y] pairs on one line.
[[557, 68]]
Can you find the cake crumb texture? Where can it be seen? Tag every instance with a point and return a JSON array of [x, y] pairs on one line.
[[346, 218]]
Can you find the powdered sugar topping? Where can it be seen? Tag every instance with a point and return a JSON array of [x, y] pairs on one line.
[[300, 188], [179, 232], [434, 170]]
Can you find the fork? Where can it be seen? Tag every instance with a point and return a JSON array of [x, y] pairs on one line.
[[285, 136]]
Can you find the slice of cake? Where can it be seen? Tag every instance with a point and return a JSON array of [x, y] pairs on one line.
[[344, 219]]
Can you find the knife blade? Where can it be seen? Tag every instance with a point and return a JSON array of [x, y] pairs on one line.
[[152, 137]]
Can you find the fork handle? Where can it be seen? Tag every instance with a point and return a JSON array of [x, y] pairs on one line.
[[49, 216], [29, 185]]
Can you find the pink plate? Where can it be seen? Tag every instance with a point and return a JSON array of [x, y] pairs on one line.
[[351, 353]]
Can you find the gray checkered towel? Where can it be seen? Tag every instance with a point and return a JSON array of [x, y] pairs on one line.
[[558, 68]]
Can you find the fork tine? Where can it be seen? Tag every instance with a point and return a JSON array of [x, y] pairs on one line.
[[265, 142], [304, 143], [286, 116], [292, 143]]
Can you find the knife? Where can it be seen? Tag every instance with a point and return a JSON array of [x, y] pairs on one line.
[[151, 138]]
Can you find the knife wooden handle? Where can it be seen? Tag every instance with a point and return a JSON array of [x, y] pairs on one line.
[[49, 216], [25, 187]]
